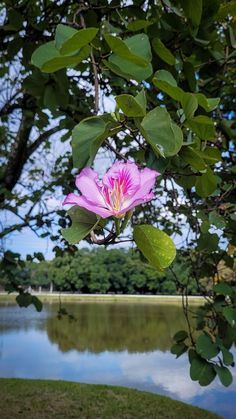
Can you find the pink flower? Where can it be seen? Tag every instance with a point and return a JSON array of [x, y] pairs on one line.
[[122, 188]]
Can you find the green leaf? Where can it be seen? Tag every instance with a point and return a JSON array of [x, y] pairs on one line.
[[124, 50], [163, 52], [48, 58], [164, 136], [178, 349], [164, 81], [87, 137], [138, 24], [138, 46], [191, 156], [37, 303], [180, 336], [216, 219], [224, 375], [130, 106], [228, 357], [205, 347], [206, 184], [193, 10], [208, 104], [230, 314], [208, 242], [202, 371], [83, 222], [223, 289], [24, 299], [157, 247], [189, 104], [202, 126], [69, 40]]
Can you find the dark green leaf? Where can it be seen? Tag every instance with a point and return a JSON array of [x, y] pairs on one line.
[[202, 371], [180, 336], [205, 347], [230, 315], [206, 184], [224, 375], [178, 349], [163, 52], [202, 126]]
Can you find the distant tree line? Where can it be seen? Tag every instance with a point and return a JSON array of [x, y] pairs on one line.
[[106, 271]]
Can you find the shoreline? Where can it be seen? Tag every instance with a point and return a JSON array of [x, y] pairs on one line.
[[118, 298]]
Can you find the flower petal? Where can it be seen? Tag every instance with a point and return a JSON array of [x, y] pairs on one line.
[[135, 202], [70, 199], [127, 174], [87, 183], [82, 202], [147, 181]]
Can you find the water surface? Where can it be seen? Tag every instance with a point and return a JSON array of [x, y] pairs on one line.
[[106, 343]]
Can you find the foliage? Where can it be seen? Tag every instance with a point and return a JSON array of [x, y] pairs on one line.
[[103, 271], [169, 67]]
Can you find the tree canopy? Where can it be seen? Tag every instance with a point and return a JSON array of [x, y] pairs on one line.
[[145, 81]]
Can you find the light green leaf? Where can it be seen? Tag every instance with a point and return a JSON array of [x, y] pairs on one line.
[[123, 50], [138, 46], [189, 104], [164, 81], [48, 58], [157, 247], [208, 104], [63, 32], [69, 40], [132, 106], [202, 126], [224, 375], [163, 52], [164, 136], [83, 222], [128, 70], [206, 184]]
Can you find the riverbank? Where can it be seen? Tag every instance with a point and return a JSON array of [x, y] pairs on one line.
[[36, 399], [111, 298]]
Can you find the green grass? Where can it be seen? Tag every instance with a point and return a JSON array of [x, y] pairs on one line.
[[43, 399]]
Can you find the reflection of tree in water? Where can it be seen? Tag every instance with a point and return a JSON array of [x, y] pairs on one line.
[[116, 327]]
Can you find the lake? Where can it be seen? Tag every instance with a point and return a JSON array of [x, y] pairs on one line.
[[124, 344]]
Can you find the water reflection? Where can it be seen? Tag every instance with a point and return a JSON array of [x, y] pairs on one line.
[[120, 344], [116, 327]]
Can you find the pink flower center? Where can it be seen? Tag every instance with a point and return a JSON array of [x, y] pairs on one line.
[[115, 196]]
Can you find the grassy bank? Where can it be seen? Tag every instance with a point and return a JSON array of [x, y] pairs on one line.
[[37, 399], [122, 298]]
